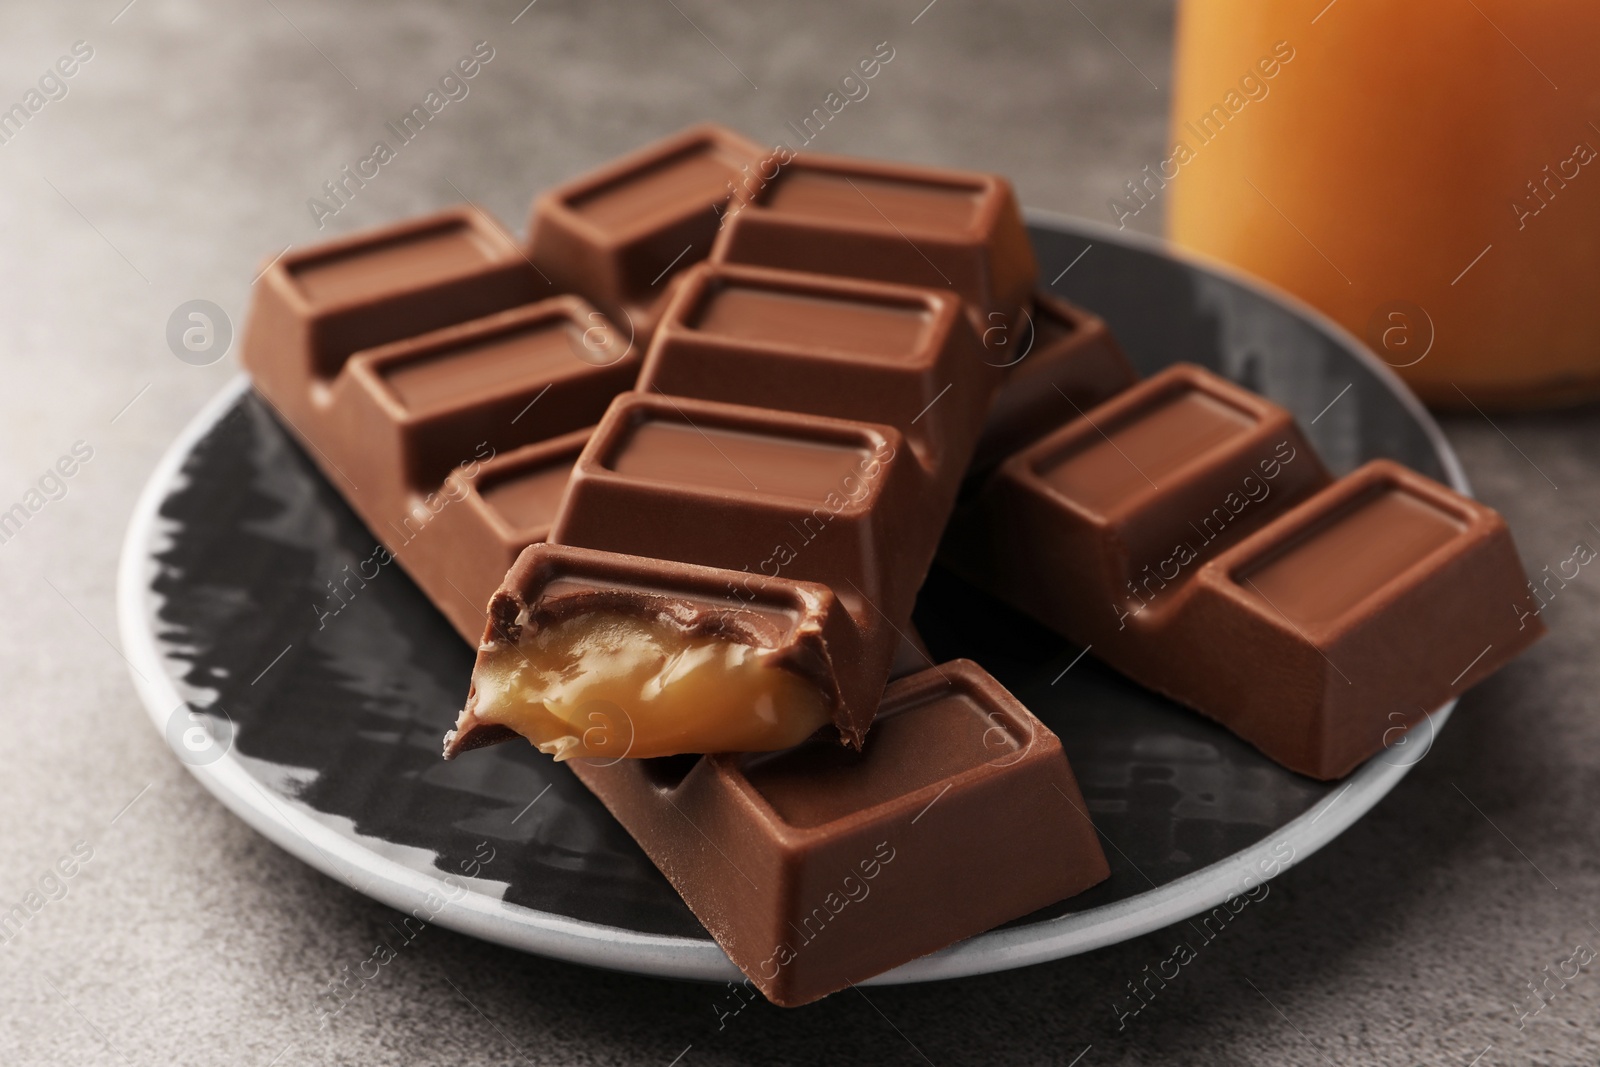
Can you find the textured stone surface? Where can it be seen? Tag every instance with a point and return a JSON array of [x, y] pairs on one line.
[[184, 154]]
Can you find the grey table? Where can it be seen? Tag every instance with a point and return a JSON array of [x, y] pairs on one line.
[[184, 152]]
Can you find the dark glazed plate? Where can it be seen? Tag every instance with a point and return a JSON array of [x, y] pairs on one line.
[[317, 716]]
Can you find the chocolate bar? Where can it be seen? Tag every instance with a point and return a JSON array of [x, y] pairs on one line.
[[759, 514], [1187, 533], [748, 451], [820, 865]]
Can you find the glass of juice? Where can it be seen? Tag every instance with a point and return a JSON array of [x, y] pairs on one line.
[[1423, 171]]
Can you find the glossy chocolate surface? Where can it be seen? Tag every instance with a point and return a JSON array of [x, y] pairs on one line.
[[1186, 524], [418, 259], [1141, 450], [617, 235], [1330, 568], [873, 330], [959, 810], [942, 229], [912, 746], [713, 457]]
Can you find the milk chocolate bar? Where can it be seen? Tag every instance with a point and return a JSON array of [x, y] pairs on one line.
[[1186, 532], [819, 865], [779, 476]]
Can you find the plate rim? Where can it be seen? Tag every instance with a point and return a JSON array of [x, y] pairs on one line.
[[300, 832]]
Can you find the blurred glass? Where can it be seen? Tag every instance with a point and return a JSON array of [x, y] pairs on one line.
[[1424, 171]]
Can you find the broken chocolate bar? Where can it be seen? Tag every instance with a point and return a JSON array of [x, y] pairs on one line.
[[788, 483], [1187, 532], [820, 866], [756, 524], [603, 654]]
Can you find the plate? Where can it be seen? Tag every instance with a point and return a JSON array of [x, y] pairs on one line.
[[308, 688]]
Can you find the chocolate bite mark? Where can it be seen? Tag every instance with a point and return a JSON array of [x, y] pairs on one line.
[[712, 457], [614, 685], [1142, 448], [488, 368], [877, 330], [1327, 570], [695, 179], [952, 230], [927, 743], [415, 259], [844, 199], [600, 655]]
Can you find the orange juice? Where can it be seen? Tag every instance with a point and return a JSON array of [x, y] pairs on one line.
[[1424, 171]]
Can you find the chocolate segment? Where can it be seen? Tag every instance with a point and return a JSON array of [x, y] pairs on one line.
[[941, 229], [313, 307], [615, 236], [825, 346], [451, 443], [764, 496], [1186, 531], [1136, 492], [484, 387], [1060, 361], [820, 866]]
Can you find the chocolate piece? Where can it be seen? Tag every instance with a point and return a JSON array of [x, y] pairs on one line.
[[820, 866], [442, 442], [486, 386], [312, 308], [1060, 361], [508, 504], [826, 346], [1186, 531], [615, 235], [827, 504], [851, 505], [943, 229]]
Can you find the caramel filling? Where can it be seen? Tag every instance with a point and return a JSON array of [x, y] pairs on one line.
[[609, 685]]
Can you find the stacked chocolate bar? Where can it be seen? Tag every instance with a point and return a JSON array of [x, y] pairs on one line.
[[694, 448]]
